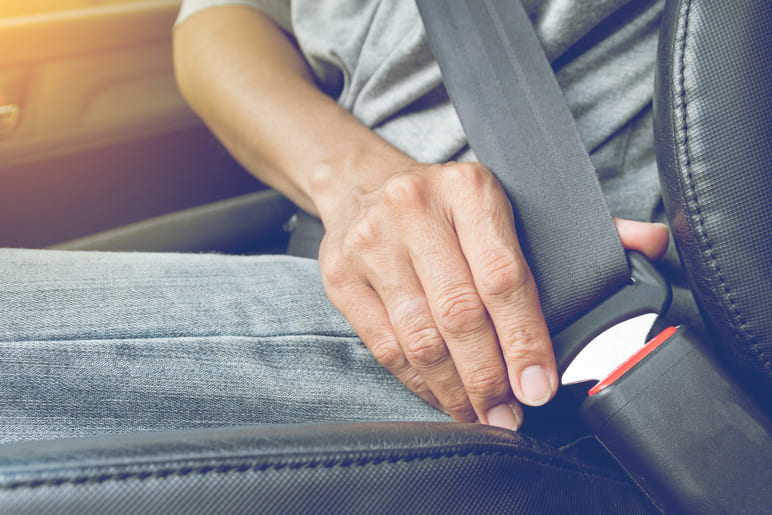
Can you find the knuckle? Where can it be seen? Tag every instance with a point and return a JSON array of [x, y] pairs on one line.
[[422, 343], [502, 275], [388, 354], [459, 407], [470, 174], [425, 348], [525, 341], [333, 269], [486, 383], [460, 311], [405, 190], [363, 234]]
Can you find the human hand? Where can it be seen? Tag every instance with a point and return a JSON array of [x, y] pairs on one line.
[[428, 270]]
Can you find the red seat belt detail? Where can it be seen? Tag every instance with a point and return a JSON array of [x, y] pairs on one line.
[[634, 359]]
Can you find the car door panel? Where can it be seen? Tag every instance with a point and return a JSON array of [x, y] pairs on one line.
[[87, 76], [94, 133]]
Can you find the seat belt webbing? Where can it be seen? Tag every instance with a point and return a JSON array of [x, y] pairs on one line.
[[518, 124]]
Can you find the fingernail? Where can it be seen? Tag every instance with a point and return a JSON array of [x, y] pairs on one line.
[[535, 385], [504, 415]]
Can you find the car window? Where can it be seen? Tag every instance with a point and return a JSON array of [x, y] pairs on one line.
[[13, 8]]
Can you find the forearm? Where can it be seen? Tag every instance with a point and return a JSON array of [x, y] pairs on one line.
[[251, 86]]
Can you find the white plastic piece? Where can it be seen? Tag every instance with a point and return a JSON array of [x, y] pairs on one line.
[[609, 349]]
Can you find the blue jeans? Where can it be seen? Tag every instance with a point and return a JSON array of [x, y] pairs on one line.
[[94, 343]]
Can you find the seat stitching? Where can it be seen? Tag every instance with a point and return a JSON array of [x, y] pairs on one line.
[[345, 463], [727, 293]]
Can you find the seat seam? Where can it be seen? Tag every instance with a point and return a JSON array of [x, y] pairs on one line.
[[726, 291], [171, 472]]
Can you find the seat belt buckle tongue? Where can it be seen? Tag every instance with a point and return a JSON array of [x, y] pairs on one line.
[[602, 340]]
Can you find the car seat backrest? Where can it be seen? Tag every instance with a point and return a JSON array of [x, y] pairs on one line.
[[713, 122]]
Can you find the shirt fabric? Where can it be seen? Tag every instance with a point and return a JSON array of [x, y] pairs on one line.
[[374, 57]]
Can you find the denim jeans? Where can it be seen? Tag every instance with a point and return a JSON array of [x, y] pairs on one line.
[[95, 343]]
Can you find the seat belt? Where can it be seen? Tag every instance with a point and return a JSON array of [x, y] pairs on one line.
[[665, 409], [518, 124], [540, 160]]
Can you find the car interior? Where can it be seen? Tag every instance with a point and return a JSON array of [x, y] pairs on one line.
[[95, 136], [99, 151]]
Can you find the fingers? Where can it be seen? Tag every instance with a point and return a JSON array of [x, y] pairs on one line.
[[378, 248], [462, 321], [402, 262], [430, 275], [650, 239], [507, 290], [367, 315], [422, 342]]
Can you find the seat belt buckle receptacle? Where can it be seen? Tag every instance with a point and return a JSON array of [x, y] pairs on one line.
[[665, 409]]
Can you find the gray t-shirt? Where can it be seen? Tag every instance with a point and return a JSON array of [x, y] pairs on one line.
[[373, 56]]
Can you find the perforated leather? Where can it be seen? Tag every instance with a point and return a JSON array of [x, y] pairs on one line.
[[363, 468], [713, 106]]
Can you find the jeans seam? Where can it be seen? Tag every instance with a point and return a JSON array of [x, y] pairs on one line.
[[57, 339]]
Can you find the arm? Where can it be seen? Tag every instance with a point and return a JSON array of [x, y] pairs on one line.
[[246, 79], [456, 321]]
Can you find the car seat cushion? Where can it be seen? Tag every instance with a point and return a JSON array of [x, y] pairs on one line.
[[392, 467]]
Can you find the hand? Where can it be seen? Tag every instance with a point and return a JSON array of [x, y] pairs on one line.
[[425, 264], [428, 271]]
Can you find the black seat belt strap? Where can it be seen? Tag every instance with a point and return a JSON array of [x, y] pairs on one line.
[[682, 428], [518, 124]]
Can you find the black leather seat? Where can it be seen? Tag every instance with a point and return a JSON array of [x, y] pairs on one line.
[[714, 131], [713, 116]]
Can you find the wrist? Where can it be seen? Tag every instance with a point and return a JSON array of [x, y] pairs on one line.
[[338, 186]]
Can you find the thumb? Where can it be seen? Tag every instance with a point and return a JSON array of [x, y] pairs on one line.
[[647, 238]]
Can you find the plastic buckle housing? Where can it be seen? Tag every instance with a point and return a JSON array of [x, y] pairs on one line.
[[626, 317]]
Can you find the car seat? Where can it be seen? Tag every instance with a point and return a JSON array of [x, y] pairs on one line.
[[713, 142]]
